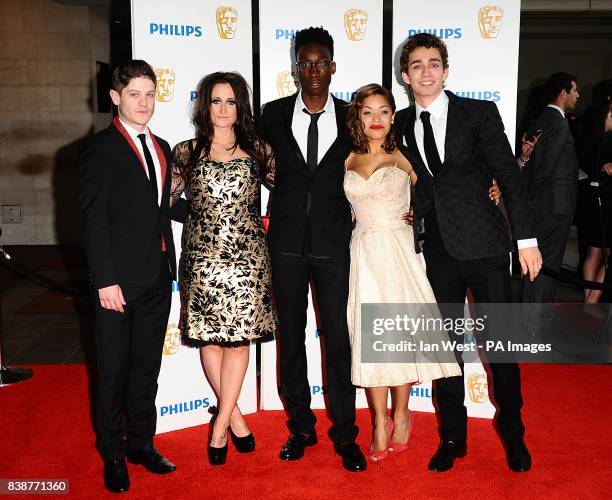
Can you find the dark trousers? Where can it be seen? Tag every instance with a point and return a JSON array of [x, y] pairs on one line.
[[291, 277], [489, 281], [129, 349], [552, 232]]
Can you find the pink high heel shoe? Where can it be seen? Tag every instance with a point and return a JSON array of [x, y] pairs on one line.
[[377, 456], [396, 447]]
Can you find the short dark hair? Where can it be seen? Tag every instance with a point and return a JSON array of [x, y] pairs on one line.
[[558, 82], [426, 40], [310, 35], [134, 68], [359, 141]]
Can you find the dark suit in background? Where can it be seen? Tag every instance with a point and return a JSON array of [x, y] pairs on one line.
[[467, 239], [124, 232], [552, 174], [309, 235]]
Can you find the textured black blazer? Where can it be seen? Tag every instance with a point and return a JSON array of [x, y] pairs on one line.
[[552, 170], [121, 223], [309, 211], [476, 151]]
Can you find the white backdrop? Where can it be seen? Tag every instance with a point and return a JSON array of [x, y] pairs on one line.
[[185, 41]]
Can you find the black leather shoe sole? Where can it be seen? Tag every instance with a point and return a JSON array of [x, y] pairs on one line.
[[295, 451], [156, 468], [444, 458], [116, 478]]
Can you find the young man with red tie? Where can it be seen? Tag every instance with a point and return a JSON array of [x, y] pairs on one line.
[[124, 189]]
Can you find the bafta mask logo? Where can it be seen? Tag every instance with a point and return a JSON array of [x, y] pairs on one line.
[[165, 84], [227, 20], [490, 21], [355, 24], [285, 84], [172, 341], [478, 387]]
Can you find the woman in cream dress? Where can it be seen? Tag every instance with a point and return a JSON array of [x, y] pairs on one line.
[[385, 268]]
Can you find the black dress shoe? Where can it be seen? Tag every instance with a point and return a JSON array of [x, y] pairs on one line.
[[152, 460], [352, 458], [294, 447], [116, 478], [518, 455], [444, 457], [245, 444]]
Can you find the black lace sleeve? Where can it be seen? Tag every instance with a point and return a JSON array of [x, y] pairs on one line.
[[180, 160], [268, 170]]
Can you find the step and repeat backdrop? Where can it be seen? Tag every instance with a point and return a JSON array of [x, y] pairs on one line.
[[193, 38]]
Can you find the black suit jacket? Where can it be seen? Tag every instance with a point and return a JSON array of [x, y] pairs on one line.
[[309, 211], [121, 222], [476, 150], [552, 170]]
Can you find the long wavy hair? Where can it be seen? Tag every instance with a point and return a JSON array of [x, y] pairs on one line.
[[244, 128], [359, 141]]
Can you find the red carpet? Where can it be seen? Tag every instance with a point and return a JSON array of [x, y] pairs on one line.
[[46, 433]]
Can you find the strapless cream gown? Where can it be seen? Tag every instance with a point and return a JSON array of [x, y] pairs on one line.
[[386, 269]]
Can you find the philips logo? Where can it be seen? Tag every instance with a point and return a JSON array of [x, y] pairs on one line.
[[175, 30], [284, 34], [184, 407], [483, 95], [318, 389], [420, 392], [345, 96], [444, 33]]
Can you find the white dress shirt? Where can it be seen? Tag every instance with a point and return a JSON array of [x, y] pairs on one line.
[[328, 130], [439, 113], [133, 133]]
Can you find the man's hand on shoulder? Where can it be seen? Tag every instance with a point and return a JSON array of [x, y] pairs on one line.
[[531, 261], [111, 297]]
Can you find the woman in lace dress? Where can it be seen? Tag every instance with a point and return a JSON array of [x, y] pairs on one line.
[[225, 277], [385, 268]]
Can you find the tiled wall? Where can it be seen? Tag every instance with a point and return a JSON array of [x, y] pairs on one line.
[[48, 53]]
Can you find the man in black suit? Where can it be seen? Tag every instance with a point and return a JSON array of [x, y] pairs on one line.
[[457, 146], [309, 234], [552, 173], [124, 189]]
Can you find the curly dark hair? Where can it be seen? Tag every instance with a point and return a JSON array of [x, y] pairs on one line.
[[310, 35], [359, 141], [244, 128], [426, 40]]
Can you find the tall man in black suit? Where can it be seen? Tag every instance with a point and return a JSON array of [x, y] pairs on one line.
[[552, 173], [458, 146], [309, 234], [124, 188]]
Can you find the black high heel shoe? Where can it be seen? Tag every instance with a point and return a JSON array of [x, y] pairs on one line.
[[245, 444], [216, 456]]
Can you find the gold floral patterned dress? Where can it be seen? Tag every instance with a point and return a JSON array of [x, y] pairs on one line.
[[225, 274]]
